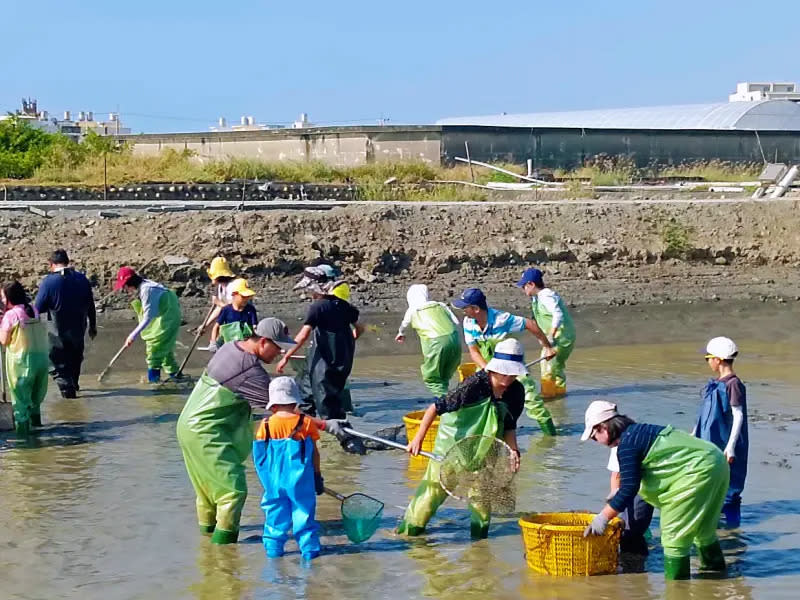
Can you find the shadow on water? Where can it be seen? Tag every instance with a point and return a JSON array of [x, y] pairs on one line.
[[80, 432]]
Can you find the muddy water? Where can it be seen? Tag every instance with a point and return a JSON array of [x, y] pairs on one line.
[[99, 506]]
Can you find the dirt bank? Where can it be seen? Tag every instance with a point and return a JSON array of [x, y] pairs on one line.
[[608, 254]]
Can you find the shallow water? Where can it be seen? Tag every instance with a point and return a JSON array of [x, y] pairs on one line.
[[99, 505]]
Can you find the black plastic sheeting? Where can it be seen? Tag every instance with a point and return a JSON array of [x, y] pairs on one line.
[[570, 148]]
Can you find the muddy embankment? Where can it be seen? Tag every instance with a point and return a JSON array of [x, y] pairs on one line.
[[604, 254]]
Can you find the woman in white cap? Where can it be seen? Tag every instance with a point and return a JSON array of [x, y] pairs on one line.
[[488, 403], [722, 420], [686, 478]]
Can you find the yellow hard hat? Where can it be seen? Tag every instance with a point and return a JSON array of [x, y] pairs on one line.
[[341, 290], [219, 268], [239, 286]]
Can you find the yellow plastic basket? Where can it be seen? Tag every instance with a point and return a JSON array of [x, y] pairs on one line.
[[554, 544], [412, 421], [466, 369]]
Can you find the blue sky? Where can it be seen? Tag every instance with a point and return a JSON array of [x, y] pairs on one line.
[[175, 65]]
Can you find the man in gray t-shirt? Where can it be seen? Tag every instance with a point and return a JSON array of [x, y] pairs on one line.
[[238, 367]]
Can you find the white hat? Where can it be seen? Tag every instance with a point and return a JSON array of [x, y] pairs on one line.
[[598, 412], [508, 358], [721, 347], [283, 390]]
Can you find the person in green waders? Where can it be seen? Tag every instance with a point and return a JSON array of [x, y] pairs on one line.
[[485, 327], [26, 362], [685, 477], [488, 403], [214, 428], [436, 327], [551, 315], [159, 321], [237, 320]]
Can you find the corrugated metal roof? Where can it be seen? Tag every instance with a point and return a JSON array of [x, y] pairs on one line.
[[766, 115]]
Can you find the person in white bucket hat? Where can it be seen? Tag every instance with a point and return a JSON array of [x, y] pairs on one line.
[[684, 477], [487, 403], [287, 462]]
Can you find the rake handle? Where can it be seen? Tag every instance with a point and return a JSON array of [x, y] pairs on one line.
[[390, 443], [111, 363], [199, 333]]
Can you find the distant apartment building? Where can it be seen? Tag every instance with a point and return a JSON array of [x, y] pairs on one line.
[[754, 92], [72, 128]]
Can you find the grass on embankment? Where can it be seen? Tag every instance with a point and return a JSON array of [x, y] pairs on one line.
[[126, 168]]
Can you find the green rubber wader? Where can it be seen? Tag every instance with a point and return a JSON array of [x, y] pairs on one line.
[[27, 366], [161, 334], [564, 341], [477, 419], [216, 437], [687, 478]]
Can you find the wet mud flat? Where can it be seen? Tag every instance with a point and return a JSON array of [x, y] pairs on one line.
[[99, 505]]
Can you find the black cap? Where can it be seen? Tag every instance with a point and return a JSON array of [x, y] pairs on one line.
[[59, 257]]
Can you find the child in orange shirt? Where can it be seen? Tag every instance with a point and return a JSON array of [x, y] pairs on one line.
[[287, 462]]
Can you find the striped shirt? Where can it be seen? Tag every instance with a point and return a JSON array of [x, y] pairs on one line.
[[634, 444], [499, 324]]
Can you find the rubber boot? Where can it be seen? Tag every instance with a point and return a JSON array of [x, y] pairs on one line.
[[478, 531], [308, 556], [733, 515], [23, 428], [36, 419], [711, 557], [547, 427], [207, 529], [409, 530], [221, 536], [676, 567], [153, 375], [548, 388], [560, 390]]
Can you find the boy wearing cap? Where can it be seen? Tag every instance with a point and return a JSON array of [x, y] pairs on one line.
[[237, 320], [159, 316], [686, 478], [722, 420], [488, 403], [485, 327], [287, 461], [551, 315]]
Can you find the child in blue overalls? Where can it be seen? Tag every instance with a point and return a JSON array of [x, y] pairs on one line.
[[723, 421], [287, 462]]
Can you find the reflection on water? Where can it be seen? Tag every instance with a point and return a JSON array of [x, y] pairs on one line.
[[98, 505]]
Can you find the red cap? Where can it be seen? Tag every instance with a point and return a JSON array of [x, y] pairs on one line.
[[123, 275]]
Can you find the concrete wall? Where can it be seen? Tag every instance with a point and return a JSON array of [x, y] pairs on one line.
[[339, 146]]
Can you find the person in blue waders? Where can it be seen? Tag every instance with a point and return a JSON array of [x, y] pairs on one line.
[[722, 420], [287, 461]]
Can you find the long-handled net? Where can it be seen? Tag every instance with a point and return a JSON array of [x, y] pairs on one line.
[[476, 469], [361, 515]]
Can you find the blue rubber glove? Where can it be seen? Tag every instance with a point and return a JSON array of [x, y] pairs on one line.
[[319, 484]]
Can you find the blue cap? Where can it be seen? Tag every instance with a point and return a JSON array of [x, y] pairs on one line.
[[531, 276], [471, 297]]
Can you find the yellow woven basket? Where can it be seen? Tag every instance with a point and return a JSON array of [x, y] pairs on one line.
[[554, 544], [412, 421]]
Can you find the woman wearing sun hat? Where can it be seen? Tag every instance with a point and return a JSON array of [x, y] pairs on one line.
[[684, 477], [488, 403]]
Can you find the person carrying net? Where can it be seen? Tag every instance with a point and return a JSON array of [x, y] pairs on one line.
[[488, 403]]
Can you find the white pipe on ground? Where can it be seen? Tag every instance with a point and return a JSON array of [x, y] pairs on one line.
[[787, 180]]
